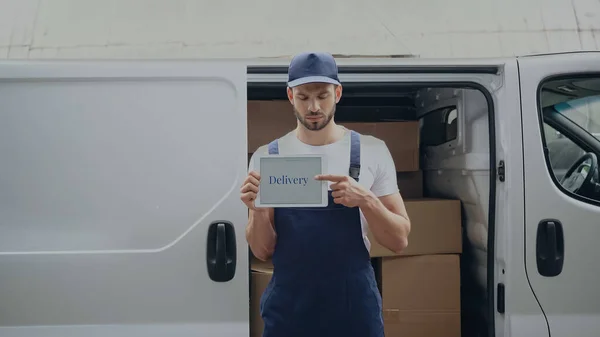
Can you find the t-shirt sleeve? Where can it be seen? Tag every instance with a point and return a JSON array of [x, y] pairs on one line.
[[385, 181], [263, 150]]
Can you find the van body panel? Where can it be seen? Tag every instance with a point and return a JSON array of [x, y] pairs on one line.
[[522, 314], [570, 300], [76, 262], [112, 173]]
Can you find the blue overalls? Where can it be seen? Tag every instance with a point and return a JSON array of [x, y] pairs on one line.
[[323, 282]]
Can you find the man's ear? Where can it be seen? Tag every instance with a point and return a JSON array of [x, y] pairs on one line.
[[338, 93], [290, 94]]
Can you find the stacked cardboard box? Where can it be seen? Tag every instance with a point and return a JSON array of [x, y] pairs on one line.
[[435, 229], [421, 295], [260, 275], [401, 138], [420, 286], [268, 120]]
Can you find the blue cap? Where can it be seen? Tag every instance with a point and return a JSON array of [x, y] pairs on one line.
[[311, 68]]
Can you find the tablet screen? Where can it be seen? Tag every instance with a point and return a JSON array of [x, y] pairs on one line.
[[289, 181]]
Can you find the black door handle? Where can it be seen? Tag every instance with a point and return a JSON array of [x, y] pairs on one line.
[[550, 247], [221, 251]]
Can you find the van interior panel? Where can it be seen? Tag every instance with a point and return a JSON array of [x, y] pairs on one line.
[[454, 159]]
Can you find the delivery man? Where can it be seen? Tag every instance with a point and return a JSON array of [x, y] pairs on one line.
[[323, 282]]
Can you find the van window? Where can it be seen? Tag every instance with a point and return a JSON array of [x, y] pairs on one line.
[[562, 151], [570, 110], [585, 112]]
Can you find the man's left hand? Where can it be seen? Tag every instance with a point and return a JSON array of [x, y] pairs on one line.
[[345, 190]]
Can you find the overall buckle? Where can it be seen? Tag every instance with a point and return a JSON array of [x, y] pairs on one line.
[[354, 171]]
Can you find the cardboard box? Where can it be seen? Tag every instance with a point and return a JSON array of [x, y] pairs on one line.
[[435, 228], [421, 296], [268, 120], [260, 276], [401, 138], [410, 184]]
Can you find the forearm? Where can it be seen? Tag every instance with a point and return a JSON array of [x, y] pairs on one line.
[[389, 229], [260, 235]]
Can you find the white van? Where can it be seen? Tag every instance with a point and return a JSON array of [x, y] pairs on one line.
[[119, 188]]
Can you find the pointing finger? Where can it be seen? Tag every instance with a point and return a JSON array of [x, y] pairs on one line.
[[330, 177]]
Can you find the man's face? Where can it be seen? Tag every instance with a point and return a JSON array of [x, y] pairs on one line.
[[314, 103]]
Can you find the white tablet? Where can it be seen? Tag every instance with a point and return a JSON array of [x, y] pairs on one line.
[[289, 181]]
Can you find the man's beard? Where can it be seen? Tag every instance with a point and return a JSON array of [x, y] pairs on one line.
[[315, 126]]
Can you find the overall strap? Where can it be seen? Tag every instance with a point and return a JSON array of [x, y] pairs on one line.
[[354, 171], [274, 147]]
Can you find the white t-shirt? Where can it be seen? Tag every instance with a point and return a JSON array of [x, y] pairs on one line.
[[377, 169]]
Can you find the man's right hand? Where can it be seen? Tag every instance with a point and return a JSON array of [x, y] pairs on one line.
[[249, 190], [260, 232]]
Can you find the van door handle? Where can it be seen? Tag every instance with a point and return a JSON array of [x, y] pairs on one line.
[[221, 251], [550, 246]]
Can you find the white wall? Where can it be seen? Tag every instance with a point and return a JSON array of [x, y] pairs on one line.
[[274, 28]]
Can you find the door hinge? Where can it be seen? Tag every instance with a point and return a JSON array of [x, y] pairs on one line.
[[501, 171], [500, 295]]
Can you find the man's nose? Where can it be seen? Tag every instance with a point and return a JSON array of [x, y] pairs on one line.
[[313, 107]]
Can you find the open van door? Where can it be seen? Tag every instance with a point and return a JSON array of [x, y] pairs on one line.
[[560, 97], [119, 199]]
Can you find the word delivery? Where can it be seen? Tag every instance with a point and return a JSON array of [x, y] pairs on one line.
[[287, 180]]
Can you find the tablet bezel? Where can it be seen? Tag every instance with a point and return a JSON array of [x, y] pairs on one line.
[[324, 185]]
